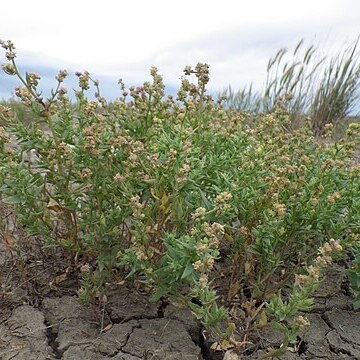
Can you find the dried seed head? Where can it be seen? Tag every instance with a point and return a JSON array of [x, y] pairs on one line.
[[85, 173], [61, 76], [203, 280], [199, 213], [84, 269], [302, 321], [334, 197], [9, 69], [313, 272], [280, 209], [187, 70], [10, 55], [210, 262], [326, 249], [5, 111], [198, 265], [118, 178], [335, 245], [301, 279]]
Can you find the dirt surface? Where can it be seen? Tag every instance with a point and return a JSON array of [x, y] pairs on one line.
[[334, 332], [133, 328], [40, 320]]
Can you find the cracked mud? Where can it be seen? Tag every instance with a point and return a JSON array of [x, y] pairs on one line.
[[133, 328], [62, 328]]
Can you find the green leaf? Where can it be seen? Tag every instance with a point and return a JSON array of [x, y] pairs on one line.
[[35, 107], [187, 271], [160, 291], [356, 304], [278, 326], [354, 278], [27, 78], [205, 200], [12, 200]]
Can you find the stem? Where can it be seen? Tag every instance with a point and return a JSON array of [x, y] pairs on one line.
[[33, 93], [45, 113], [148, 111]]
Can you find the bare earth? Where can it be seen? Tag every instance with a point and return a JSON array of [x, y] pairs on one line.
[[39, 324]]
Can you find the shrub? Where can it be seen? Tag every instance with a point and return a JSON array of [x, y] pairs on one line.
[[170, 188]]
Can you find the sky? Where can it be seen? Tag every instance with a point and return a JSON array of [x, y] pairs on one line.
[[115, 39]]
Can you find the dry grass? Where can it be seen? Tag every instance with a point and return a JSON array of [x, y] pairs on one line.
[[325, 89]]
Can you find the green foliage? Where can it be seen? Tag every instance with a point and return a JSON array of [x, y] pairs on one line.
[[164, 188]]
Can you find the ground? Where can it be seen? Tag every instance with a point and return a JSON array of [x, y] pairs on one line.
[[42, 319]]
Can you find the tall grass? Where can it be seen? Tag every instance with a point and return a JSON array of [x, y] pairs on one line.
[[338, 90], [326, 89]]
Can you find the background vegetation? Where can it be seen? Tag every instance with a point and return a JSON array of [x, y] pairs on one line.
[[324, 89]]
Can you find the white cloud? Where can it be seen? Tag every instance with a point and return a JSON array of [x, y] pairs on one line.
[[123, 39]]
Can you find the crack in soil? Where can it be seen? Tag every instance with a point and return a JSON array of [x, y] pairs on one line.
[[121, 348], [137, 326], [133, 318], [161, 309], [333, 347], [52, 340], [159, 315], [302, 346], [336, 350], [325, 318], [345, 287], [204, 348], [327, 321]]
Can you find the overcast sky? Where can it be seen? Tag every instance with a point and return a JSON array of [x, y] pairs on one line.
[[115, 39]]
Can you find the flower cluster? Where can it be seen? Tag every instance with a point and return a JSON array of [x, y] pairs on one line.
[[324, 259], [280, 210], [334, 197], [3, 136], [32, 79], [183, 172], [302, 321], [199, 214], [206, 248], [137, 207], [214, 232], [24, 95], [9, 69], [5, 112], [83, 80], [62, 75], [222, 203], [9, 47]]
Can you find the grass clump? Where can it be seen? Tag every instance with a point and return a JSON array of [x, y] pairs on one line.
[[173, 189], [326, 90]]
